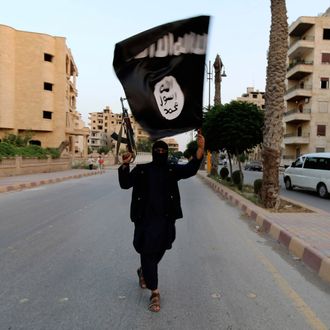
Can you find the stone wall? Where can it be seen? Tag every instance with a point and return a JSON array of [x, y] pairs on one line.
[[20, 166]]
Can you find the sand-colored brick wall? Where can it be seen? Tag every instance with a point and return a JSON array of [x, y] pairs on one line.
[[23, 98]]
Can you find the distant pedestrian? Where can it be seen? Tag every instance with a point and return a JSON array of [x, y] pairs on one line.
[[155, 206], [90, 163], [100, 162]]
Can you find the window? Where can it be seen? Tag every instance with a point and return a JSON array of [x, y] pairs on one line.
[[310, 162], [47, 115], [323, 106], [324, 83], [48, 57], [298, 162], [323, 164], [35, 142], [325, 58], [48, 86], [320, 149], [326, 34], [321, 130]]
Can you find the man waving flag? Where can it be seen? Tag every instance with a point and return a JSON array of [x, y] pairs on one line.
[[162, 73]]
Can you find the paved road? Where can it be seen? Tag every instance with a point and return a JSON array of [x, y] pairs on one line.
[[66, 262]]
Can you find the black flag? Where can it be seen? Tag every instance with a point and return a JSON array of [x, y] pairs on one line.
[[162, 73]]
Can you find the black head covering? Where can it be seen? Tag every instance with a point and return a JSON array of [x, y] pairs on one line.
[[159, 158]]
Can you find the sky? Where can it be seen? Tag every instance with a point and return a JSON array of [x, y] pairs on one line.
[[239, 33]]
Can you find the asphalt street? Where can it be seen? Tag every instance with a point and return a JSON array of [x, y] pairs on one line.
[[67, 262]]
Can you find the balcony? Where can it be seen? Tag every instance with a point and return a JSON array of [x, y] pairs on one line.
[[294, 138], [301, 26], [299, 70], [298, 93], [296, 116], [299, 47]]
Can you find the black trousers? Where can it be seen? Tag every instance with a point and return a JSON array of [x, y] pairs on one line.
[[149, 264]]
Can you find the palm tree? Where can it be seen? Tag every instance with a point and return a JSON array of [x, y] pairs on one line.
[[274, 103]]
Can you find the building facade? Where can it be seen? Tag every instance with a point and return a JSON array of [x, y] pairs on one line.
[[307, 116], [104, 123], [38, 90], [253, 96]]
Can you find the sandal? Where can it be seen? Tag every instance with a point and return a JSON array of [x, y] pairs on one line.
[[154, 305], [142, 282]]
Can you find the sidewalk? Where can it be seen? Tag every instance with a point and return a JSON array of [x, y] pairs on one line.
[[306, 235], [20, 182]]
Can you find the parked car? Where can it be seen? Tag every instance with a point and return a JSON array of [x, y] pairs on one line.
[[172, 160], [253, 166], [223, 162], [310, 172]]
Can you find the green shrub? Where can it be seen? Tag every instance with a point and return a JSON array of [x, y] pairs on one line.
[[237, 179], [224, 173], [53, 152], [257, 186], [12, 149], [32, 151], [7, 149]]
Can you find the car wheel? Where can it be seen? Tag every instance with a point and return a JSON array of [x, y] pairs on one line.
[[288, 185], [322, 190]]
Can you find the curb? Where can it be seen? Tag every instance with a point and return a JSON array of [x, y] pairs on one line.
[[300, 249], [33, 184]]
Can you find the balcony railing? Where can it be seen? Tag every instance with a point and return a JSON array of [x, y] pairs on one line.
[[291, 112], [305, 38], [304, 135], [297, 62], [294, 138], [304, 87]]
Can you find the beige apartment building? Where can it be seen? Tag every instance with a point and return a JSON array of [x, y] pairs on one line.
[[103, 124], [307, 117], [38, 90], [253, 96]]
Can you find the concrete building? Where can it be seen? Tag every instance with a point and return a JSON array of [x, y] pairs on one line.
[[253, 96], [102, 124], [173, 145], [307, 117], [38, 90]]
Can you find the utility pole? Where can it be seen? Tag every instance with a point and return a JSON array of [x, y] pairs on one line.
[[209, 77]]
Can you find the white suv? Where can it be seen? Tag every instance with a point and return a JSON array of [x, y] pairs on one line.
[[310, 172]]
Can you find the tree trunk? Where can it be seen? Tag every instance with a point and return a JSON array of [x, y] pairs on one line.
[[274, 103]]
